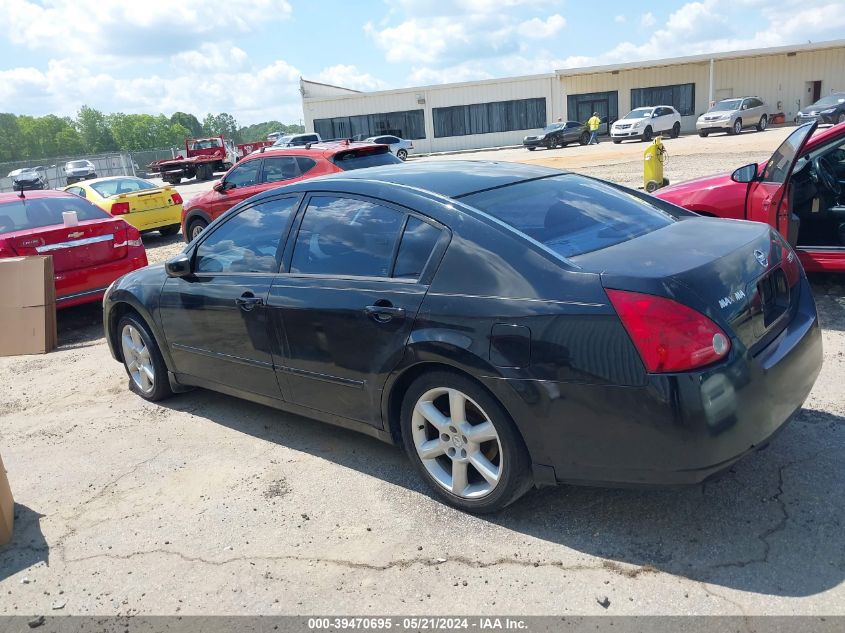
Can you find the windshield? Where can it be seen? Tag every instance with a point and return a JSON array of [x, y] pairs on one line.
[[206, 143], [284, 140], [108, 188], [639, 113], [551, 127], [726, 106], [33, 213], [780, 164], [830, 100], [570, 214], [365, 157], [76, 164]]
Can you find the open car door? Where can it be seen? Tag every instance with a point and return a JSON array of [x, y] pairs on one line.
[[767, 199]]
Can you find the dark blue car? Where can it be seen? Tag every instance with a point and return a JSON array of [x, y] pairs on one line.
[[511, 326]]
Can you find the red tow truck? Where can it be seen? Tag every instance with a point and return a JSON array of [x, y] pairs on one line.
[[245, 149], [203, 157]]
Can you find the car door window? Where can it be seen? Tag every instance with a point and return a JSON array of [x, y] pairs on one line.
[[418, 241], [279, 168], [305, 164], [249, 242], [79, 191], [245, 174], [346, 236]]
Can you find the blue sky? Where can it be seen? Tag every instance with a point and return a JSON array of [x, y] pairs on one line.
[[245, 57]]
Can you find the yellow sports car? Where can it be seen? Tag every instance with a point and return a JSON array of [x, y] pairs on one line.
[[139, 202]]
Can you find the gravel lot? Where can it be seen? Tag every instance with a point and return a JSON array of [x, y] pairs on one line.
[[210, 505]]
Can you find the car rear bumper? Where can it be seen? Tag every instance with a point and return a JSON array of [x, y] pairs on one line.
[[676, 429], [87, 285]]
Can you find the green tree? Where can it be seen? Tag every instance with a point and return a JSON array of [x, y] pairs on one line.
[[221, 124], [94, 131], [187, 121], [11, 139]]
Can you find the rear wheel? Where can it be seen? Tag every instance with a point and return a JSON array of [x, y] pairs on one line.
[[676, 130], [173, 180], [142, 360], [648, 134], [463, 443], [402, 154], [195, 227], [584, 139], [737, 127], [173, 229], [764, 122]]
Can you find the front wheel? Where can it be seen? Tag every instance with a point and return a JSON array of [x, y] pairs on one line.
[[764, 122], [737, 127], [402, 154], [531, 149], [167, 231], [676, 130], [617, 141], [463, 443], [703, 133], [195, 227], [142, 360], [840, 118], [173, 180], [647, 134]]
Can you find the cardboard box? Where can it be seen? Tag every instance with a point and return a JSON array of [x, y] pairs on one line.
[[7, 507], [27, 305]]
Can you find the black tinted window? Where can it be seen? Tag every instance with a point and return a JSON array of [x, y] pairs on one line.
[[418, 241], [570, 214], [34, 213], [365, 157], [346, 236], [249, 242], [305, 164], [245, 174], [279, 168]]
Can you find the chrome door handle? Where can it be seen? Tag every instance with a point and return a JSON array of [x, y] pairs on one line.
[[383, 314], [247, 301]]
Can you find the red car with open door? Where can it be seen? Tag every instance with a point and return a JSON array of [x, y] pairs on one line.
[[87, 257], [799, 190]]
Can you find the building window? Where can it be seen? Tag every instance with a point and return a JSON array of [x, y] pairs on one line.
[[408, 124], [681, 97], [486, 118], [581, 107]]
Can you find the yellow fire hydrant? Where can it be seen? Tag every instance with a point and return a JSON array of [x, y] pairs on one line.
[[654, 157]]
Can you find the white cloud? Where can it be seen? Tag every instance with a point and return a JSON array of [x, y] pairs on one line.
[[537, 28], [647, 20], [348, 76], [211, 57], [620, 19]]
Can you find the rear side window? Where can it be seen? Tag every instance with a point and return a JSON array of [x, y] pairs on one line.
[[346, 236], [35, 213], [365, 157], [418, 242], [570, 214]]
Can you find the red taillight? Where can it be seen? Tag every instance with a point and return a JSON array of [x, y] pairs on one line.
[[120, 208], [176, 198], [669, 336], [133, 236], [6, 249]]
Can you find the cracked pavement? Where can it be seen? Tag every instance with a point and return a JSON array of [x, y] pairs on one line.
[[206, 504]]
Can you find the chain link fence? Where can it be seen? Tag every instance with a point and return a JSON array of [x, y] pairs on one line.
[[113, 164]]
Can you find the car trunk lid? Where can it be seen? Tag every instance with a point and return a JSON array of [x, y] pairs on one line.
[[146, 199], [741, 275]]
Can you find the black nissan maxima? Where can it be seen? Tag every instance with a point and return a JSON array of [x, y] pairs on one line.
[[511, 326]]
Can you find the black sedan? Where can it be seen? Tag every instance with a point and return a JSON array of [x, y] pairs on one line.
[[558, 134], [511, 326], [829, 109]]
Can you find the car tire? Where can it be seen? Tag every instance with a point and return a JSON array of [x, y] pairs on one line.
[[676, 130], [531, 149], [195, 227], [142, 359], [736, 128], [173, 180], [402, 154], [616, 141], [584, 138], [167, 231], [763, 123], [500, 451], [647, 134], [703, 133]]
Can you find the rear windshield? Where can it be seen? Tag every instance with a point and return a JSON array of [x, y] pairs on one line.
[[365, 157], [569, 214], [107, 188], [33, 213]]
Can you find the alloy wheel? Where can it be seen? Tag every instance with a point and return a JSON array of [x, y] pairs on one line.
[[457, 443], [737, 127], [136, 356], [196, 229]]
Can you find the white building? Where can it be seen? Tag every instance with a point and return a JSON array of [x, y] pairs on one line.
[[498, 112]]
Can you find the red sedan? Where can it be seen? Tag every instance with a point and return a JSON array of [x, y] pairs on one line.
[[799, 191], [267, 169], [87, 257]]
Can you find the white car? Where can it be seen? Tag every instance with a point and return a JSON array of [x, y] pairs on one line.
[[398, 146], [646, 123]]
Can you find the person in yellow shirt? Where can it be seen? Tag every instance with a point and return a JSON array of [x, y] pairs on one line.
[[593, 124]]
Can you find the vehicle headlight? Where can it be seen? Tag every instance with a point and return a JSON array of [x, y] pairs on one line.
[[638, 123], [829, 111]]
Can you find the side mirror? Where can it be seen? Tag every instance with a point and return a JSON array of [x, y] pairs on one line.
[[220, 186], [745, 174], [178, 266]]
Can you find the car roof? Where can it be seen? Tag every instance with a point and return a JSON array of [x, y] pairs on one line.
[[450, 178], [326, 149], [94, 181], [12, 196]]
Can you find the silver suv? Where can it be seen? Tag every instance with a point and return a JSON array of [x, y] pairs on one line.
[[732, 115]]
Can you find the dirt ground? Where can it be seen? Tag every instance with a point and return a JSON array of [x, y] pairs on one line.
[[205, 504]]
